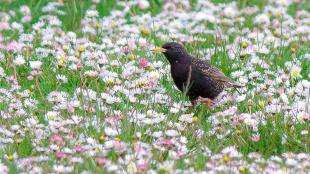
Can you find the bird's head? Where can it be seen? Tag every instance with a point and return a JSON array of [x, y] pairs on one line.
[[172, 50]]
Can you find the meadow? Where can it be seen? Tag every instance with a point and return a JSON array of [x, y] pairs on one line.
[[81, 92]]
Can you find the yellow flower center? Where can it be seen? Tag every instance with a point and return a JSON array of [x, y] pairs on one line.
[[63, 58], [151, 67], [97, 150], [293, 50], [130, 167], [244, 45], [144, 31], [225, 158], [101, 138], [155, 76], [261, 103], [52, 117], [242, 168], [109, 81], [278, 14], [195, 118], [132, 56], [295, 73], [60, 63], [113, 24], [81, 48], [300, 117], [10, 157]]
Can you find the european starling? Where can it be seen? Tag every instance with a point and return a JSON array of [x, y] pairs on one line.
[[196, 78]]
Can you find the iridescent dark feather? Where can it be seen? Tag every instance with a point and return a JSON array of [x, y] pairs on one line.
[[214, 73]]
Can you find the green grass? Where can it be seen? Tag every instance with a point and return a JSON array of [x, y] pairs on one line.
[[271, 133]]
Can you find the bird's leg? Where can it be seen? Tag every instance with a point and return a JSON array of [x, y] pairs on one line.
[[210, 103]]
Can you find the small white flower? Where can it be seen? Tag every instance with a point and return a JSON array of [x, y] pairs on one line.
[[132, 168], [183, 140], [291, 162], [307, 56], [2, 74], [77, 160], [243, 80], [172, 133], [295, 71], [174, 110], [92, 13], [25, 10], [305, 83], [35, 64], [132, 99], [108, 144], [62, 169], [90, 140], [3, 169], [249, 121], [157, 134], [111, 168], [154, 74], [284, 98], [304, 132], [61, 78], [301, 116], [19, 60], [14, 156], [188, 118], [204, 16], [290, 92], [241, 98], [110, 132], [91, 73], [96, 1], [262, 19], [230, 12], [15, 127], [144, 4], [51, 115]]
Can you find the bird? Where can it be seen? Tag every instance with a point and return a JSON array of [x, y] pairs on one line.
[[198, 79]]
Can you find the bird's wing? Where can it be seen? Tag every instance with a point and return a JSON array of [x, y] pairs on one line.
[[213, 73]]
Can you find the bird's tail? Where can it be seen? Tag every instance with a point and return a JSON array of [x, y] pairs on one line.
[[235, 85]]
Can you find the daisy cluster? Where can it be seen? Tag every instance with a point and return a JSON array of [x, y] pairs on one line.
[[97, 100]]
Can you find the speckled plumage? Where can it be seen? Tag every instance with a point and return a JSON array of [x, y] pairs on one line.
[[195, 77]]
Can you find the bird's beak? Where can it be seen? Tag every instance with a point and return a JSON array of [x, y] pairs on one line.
[[158, 50]]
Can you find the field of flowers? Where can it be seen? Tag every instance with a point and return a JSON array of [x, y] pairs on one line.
[[81, 92]]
